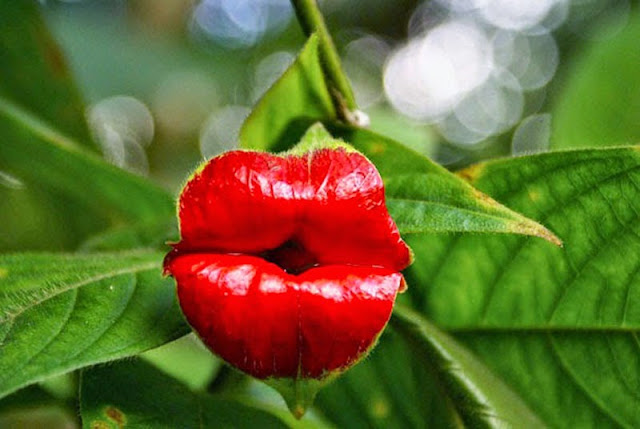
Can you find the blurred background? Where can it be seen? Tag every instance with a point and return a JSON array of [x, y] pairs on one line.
[[169, 82]]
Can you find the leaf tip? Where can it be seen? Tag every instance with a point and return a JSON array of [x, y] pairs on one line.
[[552, 238], [520, 224], [535, 229]]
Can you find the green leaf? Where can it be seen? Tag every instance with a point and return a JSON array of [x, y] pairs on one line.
[[133, 393], [299, 98], [391, 388], [559, 325], [423, 197], [61, 312], [420, 377], [599, 104], [34, 72], [41, 156], [479, 398]]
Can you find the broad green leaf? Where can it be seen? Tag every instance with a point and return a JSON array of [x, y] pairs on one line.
[[599, 104], [424, 197], [61, 312], [133, 393], [391, 388], [299, 98], [34, 72], [420, 377], [559, 325], [479, 398], [39, 155]]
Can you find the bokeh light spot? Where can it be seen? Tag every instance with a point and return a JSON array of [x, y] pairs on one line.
[[220, 132], [123, 126], [532, 135]]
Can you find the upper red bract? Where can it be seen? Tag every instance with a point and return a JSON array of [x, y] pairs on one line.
[[330, 202], [288, 266]]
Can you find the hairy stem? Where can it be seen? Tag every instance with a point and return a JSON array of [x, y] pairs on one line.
[[311, 20]]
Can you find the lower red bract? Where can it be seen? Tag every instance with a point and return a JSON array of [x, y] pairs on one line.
[[269, 323]]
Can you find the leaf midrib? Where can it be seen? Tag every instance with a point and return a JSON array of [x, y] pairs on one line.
[[37, 126], [25, 362], [74, 285], [582, 387]]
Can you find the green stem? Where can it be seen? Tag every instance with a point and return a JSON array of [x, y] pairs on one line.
[[311, 20]]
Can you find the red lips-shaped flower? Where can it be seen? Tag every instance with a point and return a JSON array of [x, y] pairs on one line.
[[289, 265]]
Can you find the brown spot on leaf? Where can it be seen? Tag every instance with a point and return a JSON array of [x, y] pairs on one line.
[[116, 415], [99, 424], [471, 173], [377, 148], [54, 59], [380, 408], [533, 195]]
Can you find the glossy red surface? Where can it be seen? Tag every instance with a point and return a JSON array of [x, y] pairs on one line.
[[331, 202], [288, 266], [272, 324]]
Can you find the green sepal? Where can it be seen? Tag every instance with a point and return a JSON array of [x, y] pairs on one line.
[[316, 138], [299, 393]]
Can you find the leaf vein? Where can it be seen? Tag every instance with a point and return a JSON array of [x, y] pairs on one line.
[[55, 291]]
